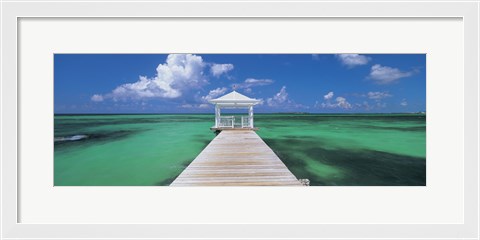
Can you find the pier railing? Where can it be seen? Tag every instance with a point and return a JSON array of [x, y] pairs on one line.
[[245, 122], [229, 122]]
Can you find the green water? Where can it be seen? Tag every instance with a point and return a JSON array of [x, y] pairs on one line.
[[149, 150]]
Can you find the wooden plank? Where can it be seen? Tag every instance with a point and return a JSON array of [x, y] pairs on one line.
[[236, 158]]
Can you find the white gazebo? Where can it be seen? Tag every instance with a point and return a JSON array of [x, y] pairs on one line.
[[233, 100]]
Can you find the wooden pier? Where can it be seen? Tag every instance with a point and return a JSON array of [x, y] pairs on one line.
[[236, 158]]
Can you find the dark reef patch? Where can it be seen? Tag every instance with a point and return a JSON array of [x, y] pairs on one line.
[[359, 167], [97, 137]]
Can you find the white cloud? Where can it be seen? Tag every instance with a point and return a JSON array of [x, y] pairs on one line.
[[252, 82], [204, 105], [384, 75], [367, 106], [279, 98], [258, 82], [326, 105], [352, 60], [97, 98], [403, 103], [214, 94], [179, 73], [219, 69], [202, 102], [378, 95], [340, 102], [187, 106], [328, 96], [190, 106]]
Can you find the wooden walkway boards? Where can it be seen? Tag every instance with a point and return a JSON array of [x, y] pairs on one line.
[[236, 158]]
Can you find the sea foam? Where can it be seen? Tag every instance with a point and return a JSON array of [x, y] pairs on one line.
[[70, 138]]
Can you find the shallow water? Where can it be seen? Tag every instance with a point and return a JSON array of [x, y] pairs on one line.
[[146, 150]]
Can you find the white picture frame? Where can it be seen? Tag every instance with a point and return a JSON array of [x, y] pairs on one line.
[[13, 11]]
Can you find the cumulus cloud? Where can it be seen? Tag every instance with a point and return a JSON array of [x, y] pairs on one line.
[[342, 103], [328, 96], [179, 73], [214, 94], [352, 60], [219, 69], [339, 102], [385, 75], [279, 98], [97, 98], [202, 102], [378, 95], [404, 103]]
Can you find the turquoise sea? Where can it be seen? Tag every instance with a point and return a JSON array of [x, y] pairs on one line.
[[329, 150]]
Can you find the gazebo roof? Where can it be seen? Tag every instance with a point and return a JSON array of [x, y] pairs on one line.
[[233, 99]]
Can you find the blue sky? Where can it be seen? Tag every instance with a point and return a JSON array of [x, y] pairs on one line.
[[183, 83]]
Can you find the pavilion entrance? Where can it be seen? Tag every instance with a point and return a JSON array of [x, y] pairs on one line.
[[233, 100]]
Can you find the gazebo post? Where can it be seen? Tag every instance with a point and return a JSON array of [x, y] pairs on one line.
[[217, 115], [250, 116]]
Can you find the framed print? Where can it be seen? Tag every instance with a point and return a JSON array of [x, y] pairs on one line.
[[239, 120]]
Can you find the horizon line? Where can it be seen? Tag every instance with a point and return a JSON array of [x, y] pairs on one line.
[[172, 113]]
